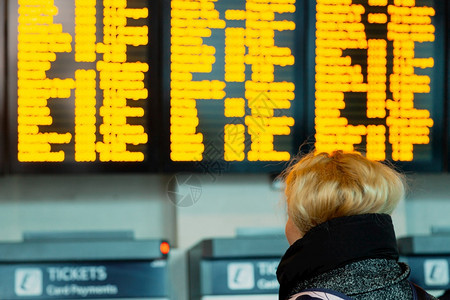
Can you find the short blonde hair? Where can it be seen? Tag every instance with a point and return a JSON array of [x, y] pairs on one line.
[[324, 186]]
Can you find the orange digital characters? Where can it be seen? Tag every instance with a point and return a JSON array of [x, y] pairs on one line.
[[101, 91], [366, 54], [223, 85], [238, 51]]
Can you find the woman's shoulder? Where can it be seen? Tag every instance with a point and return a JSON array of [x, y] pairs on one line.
[[364, 279]]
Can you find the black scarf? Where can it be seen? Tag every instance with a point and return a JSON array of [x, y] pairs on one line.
[[336, 243]]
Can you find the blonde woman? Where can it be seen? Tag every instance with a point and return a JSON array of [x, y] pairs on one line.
[[340, 230]]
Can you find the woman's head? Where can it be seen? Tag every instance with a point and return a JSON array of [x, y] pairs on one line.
[[324, 186]]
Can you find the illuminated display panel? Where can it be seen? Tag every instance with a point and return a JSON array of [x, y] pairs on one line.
[[448, 87], [84, 81], [2, 93], [232, 104], [378, 79], [81, 100]]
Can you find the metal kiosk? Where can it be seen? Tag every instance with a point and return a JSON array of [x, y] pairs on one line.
[[83, 267], [429, 259], [235, 268]]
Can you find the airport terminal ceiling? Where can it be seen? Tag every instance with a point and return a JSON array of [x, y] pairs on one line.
[[222, 86]]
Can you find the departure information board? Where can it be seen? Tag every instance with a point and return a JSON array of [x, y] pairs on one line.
[[233, 83], [82, 93], [379, 83], [223, 85], [2, 94]]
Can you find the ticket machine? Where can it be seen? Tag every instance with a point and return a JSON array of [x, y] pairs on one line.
[[235, 268], [83, 267], [429, 259]]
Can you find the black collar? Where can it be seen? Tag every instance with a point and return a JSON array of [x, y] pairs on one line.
[[336, 243]]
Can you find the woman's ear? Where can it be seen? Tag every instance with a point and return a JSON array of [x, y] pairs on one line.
[[292, 232]]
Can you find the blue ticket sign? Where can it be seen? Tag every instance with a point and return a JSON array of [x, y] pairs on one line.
[[430, 272], [239, 277], [84, 280]]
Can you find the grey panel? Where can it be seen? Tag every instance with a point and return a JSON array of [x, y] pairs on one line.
[[41, 236], [244, 247], [431, 244], [80, 251]]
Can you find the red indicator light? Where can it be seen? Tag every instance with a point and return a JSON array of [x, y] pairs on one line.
[[164, 247]]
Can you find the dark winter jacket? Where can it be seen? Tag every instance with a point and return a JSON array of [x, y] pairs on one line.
[[354, 255]]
